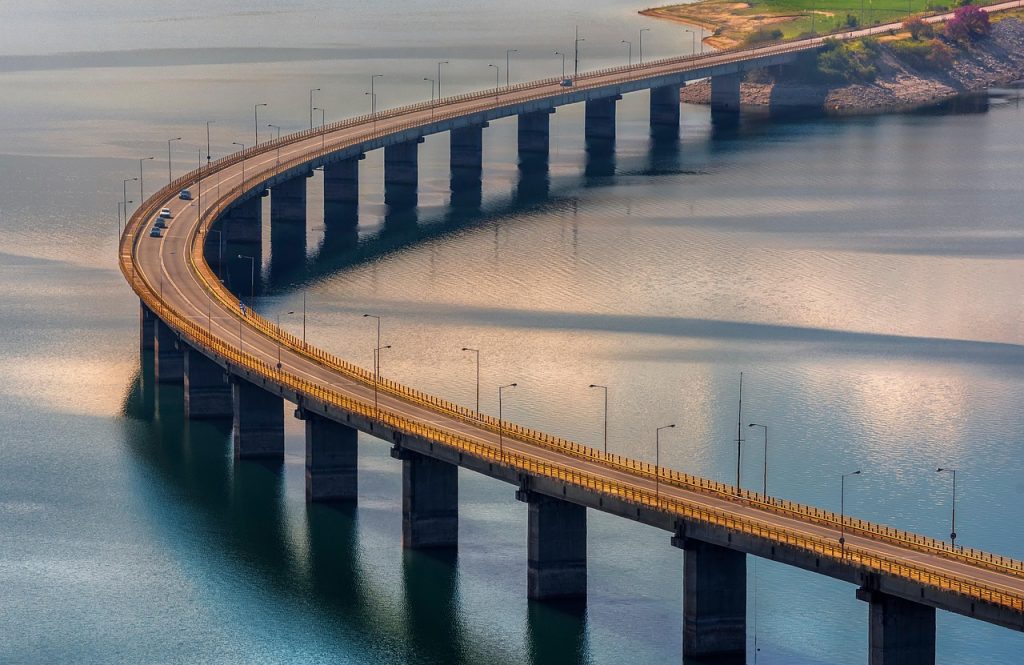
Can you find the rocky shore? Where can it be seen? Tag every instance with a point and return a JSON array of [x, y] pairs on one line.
[[993, 61]]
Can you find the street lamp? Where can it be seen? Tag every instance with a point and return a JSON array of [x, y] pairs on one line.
[[693, 42], [657, 459], [508, 51], [124, 191], [477, 352], [373, 94], [243, 159], [121, 206], [279, 339], [278, 128], [256, 121], [952, 529], [169, 158], [142, 196], [376, 374], [432, 81], [497, 78], [764, 487], [605, 388], [208, 123], [629, 57], [252, 275], [312, 90], [501, 425], [842, 510], [563, 63], [576, 54], [442, 62], [374, 316], [323, 121], [642, 31]]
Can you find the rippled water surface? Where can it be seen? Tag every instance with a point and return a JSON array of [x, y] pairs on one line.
[[864, 274]]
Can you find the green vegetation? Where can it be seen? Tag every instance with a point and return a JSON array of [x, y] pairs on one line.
[[849, 62], [822, 16], [927, 54]]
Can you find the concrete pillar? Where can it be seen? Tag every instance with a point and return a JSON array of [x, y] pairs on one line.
[[599, 121], [467, 160], [170, 362], [287, 226], [401, 173], [665, 106], [258, 422], [207, 391], [725, 93], [900, 632], [556, 549], [714, 601], [341, 192], [534, 135], [330, 460], [243, 223], [147, 334], [242, 233], [430, 502], [288, 202]]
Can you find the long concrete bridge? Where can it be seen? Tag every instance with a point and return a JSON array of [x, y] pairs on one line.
[[235, 364]]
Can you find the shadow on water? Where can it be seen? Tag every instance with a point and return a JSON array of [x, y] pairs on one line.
[[557, 634]]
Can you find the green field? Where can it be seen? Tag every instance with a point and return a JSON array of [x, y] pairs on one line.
[[828, 15]]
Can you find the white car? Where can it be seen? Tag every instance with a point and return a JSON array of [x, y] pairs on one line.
[[165, 213], [185, 195]]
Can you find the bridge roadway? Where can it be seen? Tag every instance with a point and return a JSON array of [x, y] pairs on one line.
[[173, 280]]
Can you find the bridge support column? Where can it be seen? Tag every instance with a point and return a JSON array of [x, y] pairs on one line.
[[147, 322], [258, 422], [430, 501], [534, 138], [170, 361], [287, 224], [599, 121], [714, 600], [900, 632], [467, 162], [330, 459], [401, 174], [725, 93], [207, 391], [242, 233], [556, 548], [341, 191], [665, 106]]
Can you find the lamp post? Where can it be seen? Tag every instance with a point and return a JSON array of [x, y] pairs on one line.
[[842, 510], [477, 352], [693, 42], [252, 276], [169, 141], [563, 63], [142, 196], [764, 486], [311, 91], [122, 206], [952, 528], [629, 57], [303, 318], [376, 374], [497, 78], [374, 316], [508, 52], [208, 123], [605, 389], [501, 425], [642, 31], [124, 188], [576, 54], [278, 128], [279, 339], [373, 94], [323, 121], [442, 62], [657, 459], [243, 159], [432, 81], [256, 121]]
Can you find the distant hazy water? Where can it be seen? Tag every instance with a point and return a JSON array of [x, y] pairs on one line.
[[864, 274]]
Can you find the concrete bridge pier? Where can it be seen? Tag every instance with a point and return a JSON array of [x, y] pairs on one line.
[[401, 174], [147, 323], [725, 93], [170, 360], [534, 139], [714, 601], [341, 193], [900, 632], [467, 163], [242, 233], [330, 459], [430, 501], [258, 416], [288, 224], [207, 391], [556, 547], [665, 105], [599, 121]]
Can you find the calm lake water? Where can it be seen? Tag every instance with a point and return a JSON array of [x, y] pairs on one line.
[[864, 274]]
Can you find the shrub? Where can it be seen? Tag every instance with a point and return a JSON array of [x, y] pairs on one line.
[[851, 21], [968, 24], [918, 29], [849, 61], [928, 54], [760, 36]]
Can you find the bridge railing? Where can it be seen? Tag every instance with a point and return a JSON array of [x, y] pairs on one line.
[[512, 430]]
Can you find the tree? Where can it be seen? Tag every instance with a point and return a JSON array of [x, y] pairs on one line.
[[918, 29], [968, 24]]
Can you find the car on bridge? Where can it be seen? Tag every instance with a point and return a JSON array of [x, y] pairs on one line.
[[155, 233], [165, 213], [159, 223], [185, 195], [566, 83]]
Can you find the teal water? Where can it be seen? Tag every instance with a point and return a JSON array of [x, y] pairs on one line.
[[863, 273]]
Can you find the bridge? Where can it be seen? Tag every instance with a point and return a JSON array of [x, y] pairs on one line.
[[233, 363]]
